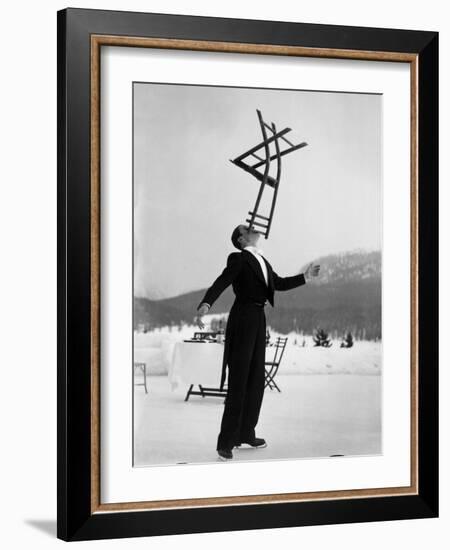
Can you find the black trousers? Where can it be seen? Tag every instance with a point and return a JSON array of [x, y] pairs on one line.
[[246, 335]]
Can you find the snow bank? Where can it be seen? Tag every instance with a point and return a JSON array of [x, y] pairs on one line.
[[156, 347], [300, 357]]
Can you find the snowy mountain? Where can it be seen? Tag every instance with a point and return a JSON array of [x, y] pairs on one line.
[[348, 266], [346, 296]]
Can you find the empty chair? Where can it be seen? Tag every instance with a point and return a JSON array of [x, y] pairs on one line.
[[272, 367], [143, 368]]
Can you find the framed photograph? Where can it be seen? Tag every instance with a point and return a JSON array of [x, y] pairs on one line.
[[247, 274]]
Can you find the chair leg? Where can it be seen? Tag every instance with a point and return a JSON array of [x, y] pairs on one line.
[[270, 382], [276, 386], [144, 370], [189, 392], [269, 379]]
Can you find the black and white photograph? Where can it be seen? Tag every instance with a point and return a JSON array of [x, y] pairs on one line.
[[257, 284], [225, 247]]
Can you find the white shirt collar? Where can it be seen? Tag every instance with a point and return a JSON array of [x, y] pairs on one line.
[[257, 253], [254, 250]]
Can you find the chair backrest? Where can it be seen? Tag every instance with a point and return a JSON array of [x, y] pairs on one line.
[[280, 345], [246, 161]]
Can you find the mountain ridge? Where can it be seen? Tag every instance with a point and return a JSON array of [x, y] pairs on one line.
[[346, 296]]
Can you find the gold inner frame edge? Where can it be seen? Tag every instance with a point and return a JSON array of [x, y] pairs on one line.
[[97, 41]]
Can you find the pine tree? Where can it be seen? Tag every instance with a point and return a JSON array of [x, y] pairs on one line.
[[321, 339], [348, 341]]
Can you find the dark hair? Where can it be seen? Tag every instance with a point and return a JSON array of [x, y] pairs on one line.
[[235, 236]]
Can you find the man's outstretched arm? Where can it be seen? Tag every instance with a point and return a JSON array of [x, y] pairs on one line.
[[286, 283]]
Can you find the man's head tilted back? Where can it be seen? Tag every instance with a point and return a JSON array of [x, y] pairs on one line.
[[235, 237], [242, 236]]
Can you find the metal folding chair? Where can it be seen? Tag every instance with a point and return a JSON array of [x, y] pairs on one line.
[[271, 367], [143, 368], [264, 222]]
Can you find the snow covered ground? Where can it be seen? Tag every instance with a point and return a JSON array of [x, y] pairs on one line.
[[315, 415]]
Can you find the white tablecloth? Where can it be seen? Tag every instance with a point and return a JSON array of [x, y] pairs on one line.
[[196, 364], [199, 364]]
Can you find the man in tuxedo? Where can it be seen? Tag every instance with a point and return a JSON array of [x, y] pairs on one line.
[[254, 282]]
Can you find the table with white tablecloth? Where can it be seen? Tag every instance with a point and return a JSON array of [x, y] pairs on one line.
[[196, 363]]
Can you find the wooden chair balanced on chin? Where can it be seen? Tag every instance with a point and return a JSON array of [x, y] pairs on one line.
[[259, 222]]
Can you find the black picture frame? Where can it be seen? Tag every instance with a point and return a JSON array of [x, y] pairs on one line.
[[78, 518]]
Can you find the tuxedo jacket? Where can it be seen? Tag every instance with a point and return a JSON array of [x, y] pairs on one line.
[[244, 272]]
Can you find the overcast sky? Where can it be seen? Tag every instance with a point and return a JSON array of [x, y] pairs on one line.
[[188, 196]]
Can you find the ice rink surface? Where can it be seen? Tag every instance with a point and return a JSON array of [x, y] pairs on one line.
[[315, 415]]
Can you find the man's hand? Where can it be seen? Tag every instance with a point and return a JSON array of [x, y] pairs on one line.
[[203, 310], [312, 271]]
